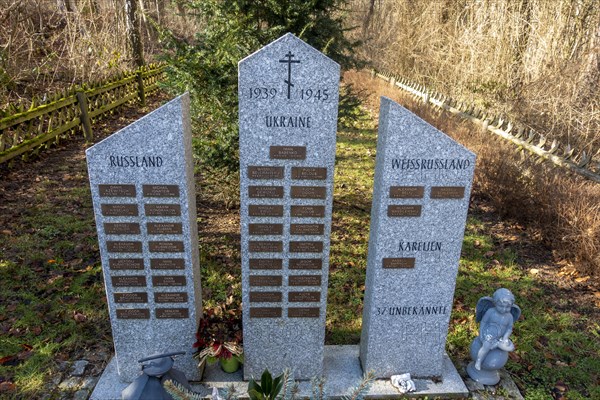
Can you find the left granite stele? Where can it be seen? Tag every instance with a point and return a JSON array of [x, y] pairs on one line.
[[142, 184]]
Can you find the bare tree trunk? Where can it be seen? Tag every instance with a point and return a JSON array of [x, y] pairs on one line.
[[66, 5], [133, 32]]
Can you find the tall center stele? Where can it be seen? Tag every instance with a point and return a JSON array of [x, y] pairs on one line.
[[288, 104]]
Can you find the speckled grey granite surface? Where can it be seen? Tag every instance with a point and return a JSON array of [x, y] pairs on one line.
[[407, 307], [134, 209], [288, 101]]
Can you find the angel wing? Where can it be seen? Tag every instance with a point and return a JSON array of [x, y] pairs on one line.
[[483, 304], [515, 310]]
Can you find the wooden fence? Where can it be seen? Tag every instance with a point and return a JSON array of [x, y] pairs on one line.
[[535, 143], [73, 111]]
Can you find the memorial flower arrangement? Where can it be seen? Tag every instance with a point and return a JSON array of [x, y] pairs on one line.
[[219, 336]]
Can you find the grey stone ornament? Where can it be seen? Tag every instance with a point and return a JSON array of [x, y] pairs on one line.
[[489, 350], [156, 370]]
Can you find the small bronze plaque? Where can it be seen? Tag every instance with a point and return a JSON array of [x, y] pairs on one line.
[[119, 210], [404, 211], [265, 192], [168, 280], [304, 297], [265, 280], [166, 247], [309, 173], [267, 210], [265, 297], [287, 152], [160, 190], [303, 312], [406, 192], [308, 211], [128, 280], [447, 192], [123, 246], [116, 190], [125, 263], [306, 247], [308, 192], [262, 246], [265, 172], [306, 263], [170, 297], [162, 210], [265, 229], [398, 262], [167, 263], [121, 228], [136, 297], [164, 228], [304, 280], [172, 313], [266, 263], [133, 313], [307, 229], [265, 312]]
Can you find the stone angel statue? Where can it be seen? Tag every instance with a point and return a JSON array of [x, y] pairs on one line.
[[490, 349]]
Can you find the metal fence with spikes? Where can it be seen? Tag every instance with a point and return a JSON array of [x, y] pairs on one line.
[[562, 156], [72, 111]]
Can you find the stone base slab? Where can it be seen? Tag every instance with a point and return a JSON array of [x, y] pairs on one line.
[[342, 372]]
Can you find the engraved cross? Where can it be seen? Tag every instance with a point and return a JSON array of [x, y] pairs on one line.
[[289, 62]]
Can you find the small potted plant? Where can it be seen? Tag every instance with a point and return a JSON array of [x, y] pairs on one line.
[[219, 336]]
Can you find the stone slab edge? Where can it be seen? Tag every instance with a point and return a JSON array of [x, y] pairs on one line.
[[342, 372]]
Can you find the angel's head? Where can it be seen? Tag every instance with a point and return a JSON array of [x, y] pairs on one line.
[[503, 300]]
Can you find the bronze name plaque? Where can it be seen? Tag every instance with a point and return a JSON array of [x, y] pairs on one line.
[[119, 210], [168, 280], [164, 228], [160, 190], [133, 313], [167, 263], [405, 262], [304, 297], [265, 229], [308, 192], [125, 263], [265, 192], [407, 192], [303, 312], [404, 211], [304, 280], [447, 192], [308, 211], [305, 263], [265, 312], [136, 297], [123, 246], [287, 152], [116, 190], [166, 247], [265, 280], [128, 280], [266, 263], [265, 246], [172, 313], [307, 229], [259, 210], [306, 247], [121, 228], [162, 210], [170, 297], [309, 173], [265, 172], [265, 297]]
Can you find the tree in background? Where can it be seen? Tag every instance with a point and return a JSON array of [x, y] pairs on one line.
[[233, 29]]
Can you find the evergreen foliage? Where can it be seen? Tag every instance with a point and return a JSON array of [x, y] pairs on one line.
[[234, 29]]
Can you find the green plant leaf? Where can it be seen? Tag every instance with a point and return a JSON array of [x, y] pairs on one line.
[[252, 385], [277, 385], [255, 395], [266, 382]]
